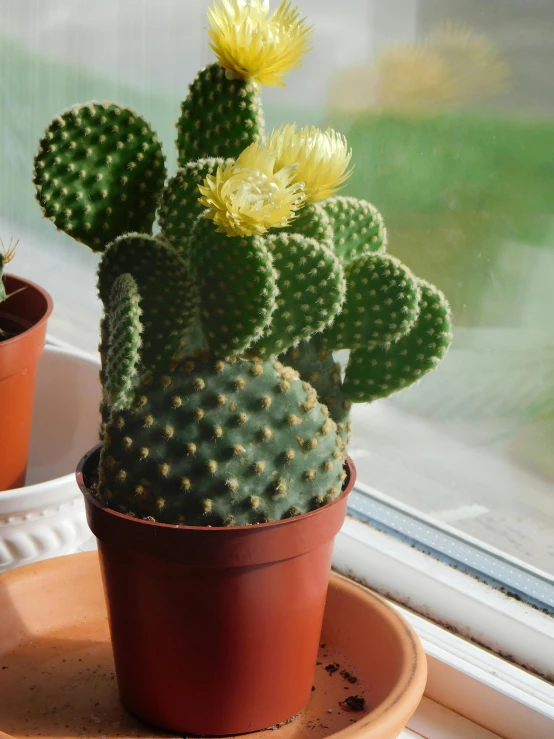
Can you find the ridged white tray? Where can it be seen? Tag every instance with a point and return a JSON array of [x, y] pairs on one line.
[[46, 518]]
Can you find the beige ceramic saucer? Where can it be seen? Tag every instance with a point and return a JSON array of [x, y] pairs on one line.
[[57, 678]]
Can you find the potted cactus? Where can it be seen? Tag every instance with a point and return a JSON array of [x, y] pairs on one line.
[[222, 476], [24, 311]]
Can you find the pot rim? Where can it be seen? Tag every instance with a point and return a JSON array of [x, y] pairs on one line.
[[41, 321], [347, 489]]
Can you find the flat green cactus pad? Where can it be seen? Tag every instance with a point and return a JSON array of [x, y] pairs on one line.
[[382, 370], [237, 284], [179, 206], [218, 443], [99, 173], [311, 288], [219, 118], [123, 354], [381, 303], [312, 221], [168, 296], [358, 227], [318, 367]]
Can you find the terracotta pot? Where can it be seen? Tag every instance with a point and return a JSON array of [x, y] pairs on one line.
[[214, 630], [25, 314]]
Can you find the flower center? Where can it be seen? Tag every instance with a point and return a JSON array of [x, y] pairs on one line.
[[250, 189]]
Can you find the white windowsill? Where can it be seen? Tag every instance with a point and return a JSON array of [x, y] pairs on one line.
[[433, 721], [492, 697]]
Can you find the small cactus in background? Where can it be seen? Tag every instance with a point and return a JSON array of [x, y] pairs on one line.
[[451, 67], [6, 256], [223, 404]]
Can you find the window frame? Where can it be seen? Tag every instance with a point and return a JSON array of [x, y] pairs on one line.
[[439, 591]]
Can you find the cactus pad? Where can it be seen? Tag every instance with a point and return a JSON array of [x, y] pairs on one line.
[[99, 173], [358, 227], [221, 443], [219, 118], [382, 370], [381, 303], [168, 296], [179, 206], [123, 355], [312, 221], [318, 367], [237, 284], [311, 288]]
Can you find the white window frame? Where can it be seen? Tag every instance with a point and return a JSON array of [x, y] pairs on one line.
[[446, 595]]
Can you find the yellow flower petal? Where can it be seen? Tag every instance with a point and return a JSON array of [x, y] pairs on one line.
[[322, 156], [248, 197], [252, 45]]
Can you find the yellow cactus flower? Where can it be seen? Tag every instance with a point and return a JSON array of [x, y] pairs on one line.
[[322, 157], [251, 195], [476, 63], [414, 78], [451, 67], [255, 46]]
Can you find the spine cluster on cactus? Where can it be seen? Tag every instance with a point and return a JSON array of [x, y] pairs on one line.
[[223, 403]]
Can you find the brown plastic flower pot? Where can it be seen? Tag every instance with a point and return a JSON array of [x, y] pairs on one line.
[[214, 630], [23, 316]]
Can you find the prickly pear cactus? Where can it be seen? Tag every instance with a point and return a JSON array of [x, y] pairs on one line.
[[223, 403], [222, 443], [220, 117], [99, 173]]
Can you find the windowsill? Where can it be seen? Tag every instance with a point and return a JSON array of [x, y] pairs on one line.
[[464, 679]]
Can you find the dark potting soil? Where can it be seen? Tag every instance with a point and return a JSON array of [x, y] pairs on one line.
[[353, 703], [349, 676]]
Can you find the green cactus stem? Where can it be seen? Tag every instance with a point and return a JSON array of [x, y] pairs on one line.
[[311, 288], [378, 371], [123, 354], [179, 207], [382, 303], [357, 225], [312, 221], [202, 424], [219, 118], [317, 366], [168, 295], [99, 173], [219, 443], [238, 287]]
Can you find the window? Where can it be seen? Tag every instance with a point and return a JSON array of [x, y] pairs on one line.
[[449, 107]]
